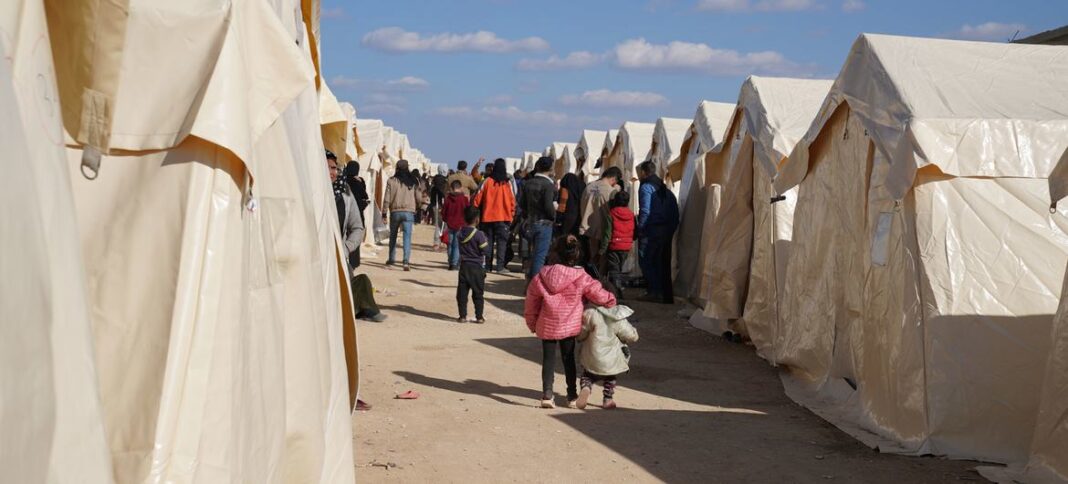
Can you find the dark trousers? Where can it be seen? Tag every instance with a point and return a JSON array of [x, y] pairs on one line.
[[548, 366], [609, 382], [655, 260], [363, 297], [614, 261], [498, 233], [473, 280]]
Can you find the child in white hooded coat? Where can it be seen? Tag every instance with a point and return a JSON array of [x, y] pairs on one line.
[[605, 331]]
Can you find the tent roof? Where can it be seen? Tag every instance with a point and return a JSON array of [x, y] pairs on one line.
[[556, 150], [668, 136], [777, 113], [969, 108], [633, 143], [592, 142]]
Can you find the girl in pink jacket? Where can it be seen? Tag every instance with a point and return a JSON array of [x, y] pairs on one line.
[[553, 312]]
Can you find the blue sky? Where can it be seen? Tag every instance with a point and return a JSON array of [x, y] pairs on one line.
[[470, 78]]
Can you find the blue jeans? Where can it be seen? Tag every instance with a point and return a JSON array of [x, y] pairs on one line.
[[454, 248], [396, 221], [543, 237]]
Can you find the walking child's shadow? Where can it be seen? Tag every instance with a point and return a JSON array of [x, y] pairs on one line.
[[480, 388]]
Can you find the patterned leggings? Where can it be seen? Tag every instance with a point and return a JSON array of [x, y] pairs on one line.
[[609, 381]]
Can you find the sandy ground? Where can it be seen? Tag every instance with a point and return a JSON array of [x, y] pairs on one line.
[[694, 408]]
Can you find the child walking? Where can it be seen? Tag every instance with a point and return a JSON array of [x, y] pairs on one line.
[[453, 213], [474, 250], [605, 331], [553, 312], [618, 238]]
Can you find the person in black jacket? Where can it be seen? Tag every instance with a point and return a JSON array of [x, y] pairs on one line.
[[351, 175], [439, 189], [539, 193]]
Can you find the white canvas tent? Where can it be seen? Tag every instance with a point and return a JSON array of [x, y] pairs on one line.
[[513, 165], [563, 158], [748, 240], [698, 199], [589, 149], [370, 137], [529, 158], [198, 317], [51, 421], [667, 146], [925, 268]]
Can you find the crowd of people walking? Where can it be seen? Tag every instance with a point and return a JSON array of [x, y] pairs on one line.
[[573, 241]]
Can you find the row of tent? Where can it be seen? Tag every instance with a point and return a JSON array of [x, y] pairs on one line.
[[887, 239], [176, 302]]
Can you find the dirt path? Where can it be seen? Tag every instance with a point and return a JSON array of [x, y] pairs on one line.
[[693, 408]]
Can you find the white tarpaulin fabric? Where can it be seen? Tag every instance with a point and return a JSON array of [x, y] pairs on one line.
[[925, 267], [749, 239], [565, 162], [704, 133], [220, 312], [590, 148], [667, 144], [529, 158], [51, 426]]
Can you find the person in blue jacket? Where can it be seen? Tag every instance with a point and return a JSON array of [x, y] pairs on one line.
[[658, 218]]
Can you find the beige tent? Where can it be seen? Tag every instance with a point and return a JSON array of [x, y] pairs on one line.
[[588, 150], [370, 135], [667, 146], [698, 199], [565, 162], [335, 124], [222, 325], [925, 268], [51, 422], [748, 241], [529, 158]]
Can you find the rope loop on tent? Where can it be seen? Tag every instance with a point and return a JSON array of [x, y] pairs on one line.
[[90, 163], [1053, 208]]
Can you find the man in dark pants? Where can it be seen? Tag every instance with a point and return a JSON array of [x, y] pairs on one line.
[[539, 209], [658, 218]]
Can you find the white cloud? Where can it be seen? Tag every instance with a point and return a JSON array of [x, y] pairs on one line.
[[380, 109], [853, 5], [408, 83], [404, 84], [992, 31], [758, 6], [382, 98], [396, 39], [335, 13], [574, 60], [639, 54], [497, 114], [603, 98]]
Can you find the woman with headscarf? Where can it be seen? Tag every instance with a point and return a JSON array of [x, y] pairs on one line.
[[404, 196], [497, 203], [439, 189], [569, 205]]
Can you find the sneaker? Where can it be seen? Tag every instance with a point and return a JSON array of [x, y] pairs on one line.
[[362, 406], [504, 271], [461, 320], [391, 263], [452, 267], [375, 318], [609, 404], [584, 398], [407, 268], [572, 403], [480, 321], [548, 403]]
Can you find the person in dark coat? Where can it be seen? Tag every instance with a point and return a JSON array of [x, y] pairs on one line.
[[658, 219], [358, 187], [569, 205]]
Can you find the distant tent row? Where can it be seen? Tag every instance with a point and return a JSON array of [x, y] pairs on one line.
[[179, 304], [885, 238]]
